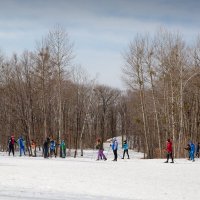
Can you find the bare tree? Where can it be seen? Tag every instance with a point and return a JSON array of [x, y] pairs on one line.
[[133, 71], [61, 54]]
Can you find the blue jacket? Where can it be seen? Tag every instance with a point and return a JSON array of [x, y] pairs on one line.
[[52, 145], [192, 146], [125, 146], [115, 145], [21, 142]]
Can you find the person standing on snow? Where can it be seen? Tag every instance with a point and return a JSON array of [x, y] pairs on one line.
[[33, 148], [125, 147], [11, 144], [52, 148], [62, 149], [46, 148], [21, 144], [192, 151], [169, 151], [114, 146], [188, 148], [99, 146]]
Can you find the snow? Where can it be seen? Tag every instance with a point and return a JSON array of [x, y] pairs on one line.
[[84, 178]]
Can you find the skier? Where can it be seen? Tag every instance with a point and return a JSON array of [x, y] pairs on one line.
[[46, 148], [114, 148], [99, 146], [21, 144], [188, 148], [52, 148], [169, 151], [125, 147], [197, 150], [33, 148], [11, 143], [192, 151], [62, 149]]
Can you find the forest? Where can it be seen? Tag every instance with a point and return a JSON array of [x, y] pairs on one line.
[[43, 93]]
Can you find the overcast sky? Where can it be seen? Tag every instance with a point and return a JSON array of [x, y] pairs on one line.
[[100, 29]]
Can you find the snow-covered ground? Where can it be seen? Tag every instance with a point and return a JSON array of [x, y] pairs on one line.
[[30, 178]]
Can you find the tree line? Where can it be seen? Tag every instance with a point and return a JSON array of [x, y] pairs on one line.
[[42, 93]]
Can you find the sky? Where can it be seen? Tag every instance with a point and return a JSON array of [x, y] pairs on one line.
[[100, 29]]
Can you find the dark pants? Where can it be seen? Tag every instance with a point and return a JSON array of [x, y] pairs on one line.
[[192, 155], [170, 155], [188, 155], [197, 154], [11, 148], [115, 155], [62, 152], [53, 152], [46, 152], [125, 151]]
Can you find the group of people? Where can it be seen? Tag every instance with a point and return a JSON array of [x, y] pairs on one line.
[[50, 148], [11, 145], [191, 148], [114, 146]]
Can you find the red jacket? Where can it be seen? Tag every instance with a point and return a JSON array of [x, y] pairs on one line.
[[169, 147]]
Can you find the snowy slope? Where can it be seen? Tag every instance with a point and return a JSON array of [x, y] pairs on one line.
[[85, 178]]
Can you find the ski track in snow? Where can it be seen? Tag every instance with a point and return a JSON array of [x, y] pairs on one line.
[[84, 178]]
